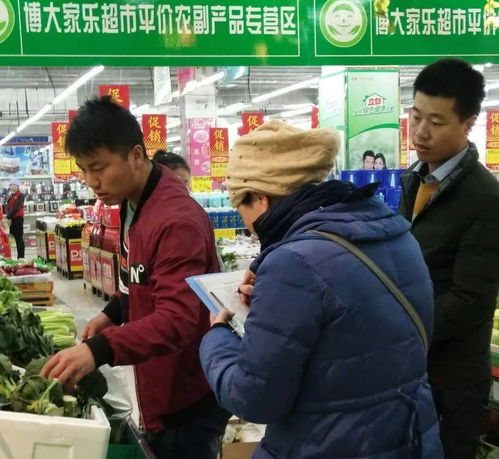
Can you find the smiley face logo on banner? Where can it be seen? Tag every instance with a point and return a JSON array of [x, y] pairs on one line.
[[7, 19], [343, 22]]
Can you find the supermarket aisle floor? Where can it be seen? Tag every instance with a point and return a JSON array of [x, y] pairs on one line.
[[81, 301]]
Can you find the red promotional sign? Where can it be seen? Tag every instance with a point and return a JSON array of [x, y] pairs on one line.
[[154, 130], [62, 160], [315, 117], [251, 120], [72, 114], [404, 142], [75, 255], [492, 139], [219, 152], [120, 93], [51, 246]]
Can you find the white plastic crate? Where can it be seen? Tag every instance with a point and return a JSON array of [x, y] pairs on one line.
[[31, 436]]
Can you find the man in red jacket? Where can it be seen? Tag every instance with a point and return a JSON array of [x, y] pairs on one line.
[[155, 321], [15, 213]]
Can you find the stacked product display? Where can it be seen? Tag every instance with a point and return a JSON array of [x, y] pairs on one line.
[[100, 250], [219, 209], [68, 241]]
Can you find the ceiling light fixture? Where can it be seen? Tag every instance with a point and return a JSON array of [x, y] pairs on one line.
[[34, 118], [174, 139], [79, 82], [292, 113], [285, 90], [7, 137], [194, 84], [490, 103], [233, 109]]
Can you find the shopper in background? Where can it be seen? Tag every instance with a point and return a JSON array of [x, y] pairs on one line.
[[453, 204], [379, 162], [368, 160], [330, 359], [175, 163], [155, 321], [15, 213]]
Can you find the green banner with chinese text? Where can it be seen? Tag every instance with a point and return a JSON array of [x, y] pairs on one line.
[[246, 32]]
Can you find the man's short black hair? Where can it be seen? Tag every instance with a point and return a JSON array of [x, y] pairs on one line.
[[453, 79], [367, 153], [101, 123], [170, 160]]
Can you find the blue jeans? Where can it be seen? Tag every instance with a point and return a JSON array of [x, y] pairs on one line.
[[199, 438]]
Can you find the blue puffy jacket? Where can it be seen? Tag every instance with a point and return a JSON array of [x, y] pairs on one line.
[[330, 360]]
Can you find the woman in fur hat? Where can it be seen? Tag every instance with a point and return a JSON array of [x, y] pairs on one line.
[[333, 358]]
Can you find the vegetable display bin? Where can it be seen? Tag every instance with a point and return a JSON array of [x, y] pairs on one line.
[[33, 436]]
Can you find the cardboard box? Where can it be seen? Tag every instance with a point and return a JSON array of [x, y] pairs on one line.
[[34, 436], [238, 450]]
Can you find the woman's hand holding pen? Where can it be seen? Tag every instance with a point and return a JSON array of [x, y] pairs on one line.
[[245, 290]]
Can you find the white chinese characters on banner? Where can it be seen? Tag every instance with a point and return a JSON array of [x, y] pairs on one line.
[[164, 19], [434, 22]]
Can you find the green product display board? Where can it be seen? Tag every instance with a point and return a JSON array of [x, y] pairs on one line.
[[246, 32], [373, 102]]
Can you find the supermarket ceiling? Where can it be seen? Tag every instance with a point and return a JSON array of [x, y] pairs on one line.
[[25, 90]]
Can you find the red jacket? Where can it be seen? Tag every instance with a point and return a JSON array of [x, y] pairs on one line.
[[15, 205], [171, 238]]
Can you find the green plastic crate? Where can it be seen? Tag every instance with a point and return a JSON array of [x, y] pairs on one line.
[[128, 447]]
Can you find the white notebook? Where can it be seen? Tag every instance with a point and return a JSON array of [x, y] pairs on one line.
[[218, 291]]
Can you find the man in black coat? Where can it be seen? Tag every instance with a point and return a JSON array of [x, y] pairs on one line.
[[453, 204]]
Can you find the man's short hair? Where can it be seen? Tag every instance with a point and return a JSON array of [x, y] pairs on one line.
[[170, 160], [367, 153], [101, 123], [453, 79]]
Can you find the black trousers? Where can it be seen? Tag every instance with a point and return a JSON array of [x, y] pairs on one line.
[[17, 230], [461, 414]]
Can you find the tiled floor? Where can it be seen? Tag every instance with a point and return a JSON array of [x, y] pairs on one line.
[[79, 300]]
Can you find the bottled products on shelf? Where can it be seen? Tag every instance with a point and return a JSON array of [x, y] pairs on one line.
[[389, 190], [218, 207]]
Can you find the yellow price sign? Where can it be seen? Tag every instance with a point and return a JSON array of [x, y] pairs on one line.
[[62, 166], [219, 169], [492, 158], [201, 184], [225, 233]]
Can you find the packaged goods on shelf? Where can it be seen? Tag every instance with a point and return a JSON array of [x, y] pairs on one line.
[[219, 209]]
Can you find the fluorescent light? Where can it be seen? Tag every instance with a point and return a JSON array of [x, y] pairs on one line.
[[488, 64], [193, 85], [291, 113], [173, 139], [173, 124], [79, 82], [491, 86], [34, 118], [280, 92], [232, 109], [479, 67], [137, 111], [490, 103], [7, 137]]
